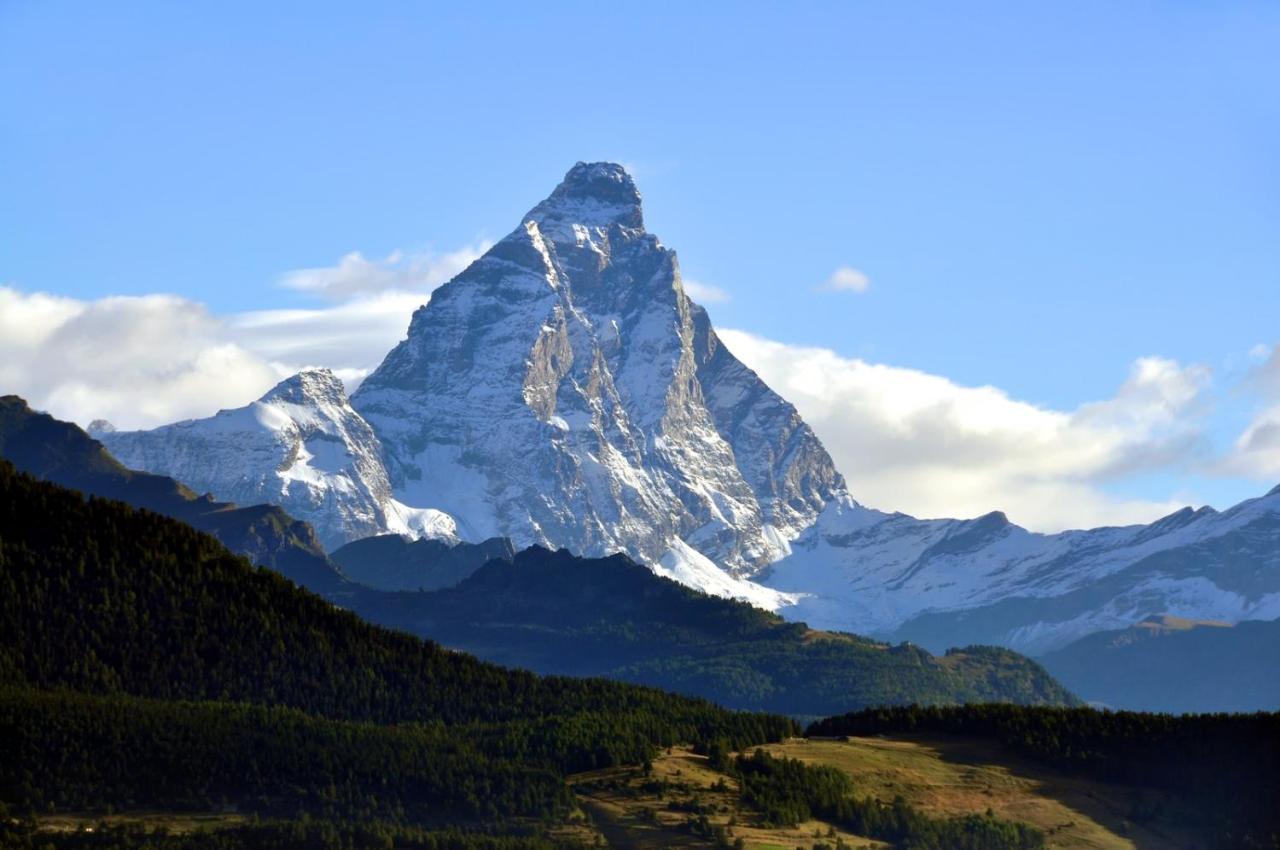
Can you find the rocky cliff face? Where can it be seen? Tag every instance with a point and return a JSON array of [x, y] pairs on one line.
[[563, 390], [300, 446]]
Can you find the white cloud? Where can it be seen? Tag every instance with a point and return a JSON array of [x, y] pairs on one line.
[[138, 361], [910, 441], [354, 275], [145, 361], [350, 337], [1256, 452], [846, 279], [1266, 375], [704, 293]]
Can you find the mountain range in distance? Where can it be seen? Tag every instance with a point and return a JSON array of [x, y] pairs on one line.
[[564, 391], [1177, 665]]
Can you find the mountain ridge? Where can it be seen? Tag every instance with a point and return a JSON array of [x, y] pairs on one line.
[[555, 612], [301, 446], [950, 582], [48, 448]]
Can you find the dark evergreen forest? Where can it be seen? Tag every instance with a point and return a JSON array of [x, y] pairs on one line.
[[1224, 769]]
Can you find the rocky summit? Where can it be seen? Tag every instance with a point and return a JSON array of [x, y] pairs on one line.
[[564, 390]]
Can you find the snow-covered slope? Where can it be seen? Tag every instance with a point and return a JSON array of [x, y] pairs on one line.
[[300, 446], [563, 390], [945, 582]]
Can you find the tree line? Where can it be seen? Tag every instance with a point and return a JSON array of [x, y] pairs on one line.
[[1222, 769], [273, 835], [787, 792]]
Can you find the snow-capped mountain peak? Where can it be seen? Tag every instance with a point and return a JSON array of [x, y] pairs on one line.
[[301, 446], [592, 195], [309, 387], [564, 390]]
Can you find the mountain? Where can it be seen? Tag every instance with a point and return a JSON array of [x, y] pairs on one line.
[[300, 446], [1176, 665], [397, 562], [952, 582], [553, 612], [57, 451], [563, 390]]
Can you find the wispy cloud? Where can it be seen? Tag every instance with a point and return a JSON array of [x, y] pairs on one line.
[[846, 279], [350, 337], [354, 275], [704, 293]]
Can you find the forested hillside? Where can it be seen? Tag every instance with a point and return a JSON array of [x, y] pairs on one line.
[[1223, 768], [179, 640], [61, 452], [558, 613], [393, 562]]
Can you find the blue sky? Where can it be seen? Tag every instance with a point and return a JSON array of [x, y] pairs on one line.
[[1040, 194]]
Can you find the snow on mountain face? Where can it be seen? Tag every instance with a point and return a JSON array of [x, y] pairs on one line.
[[300, 446], [563, 390], [945, 583]]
